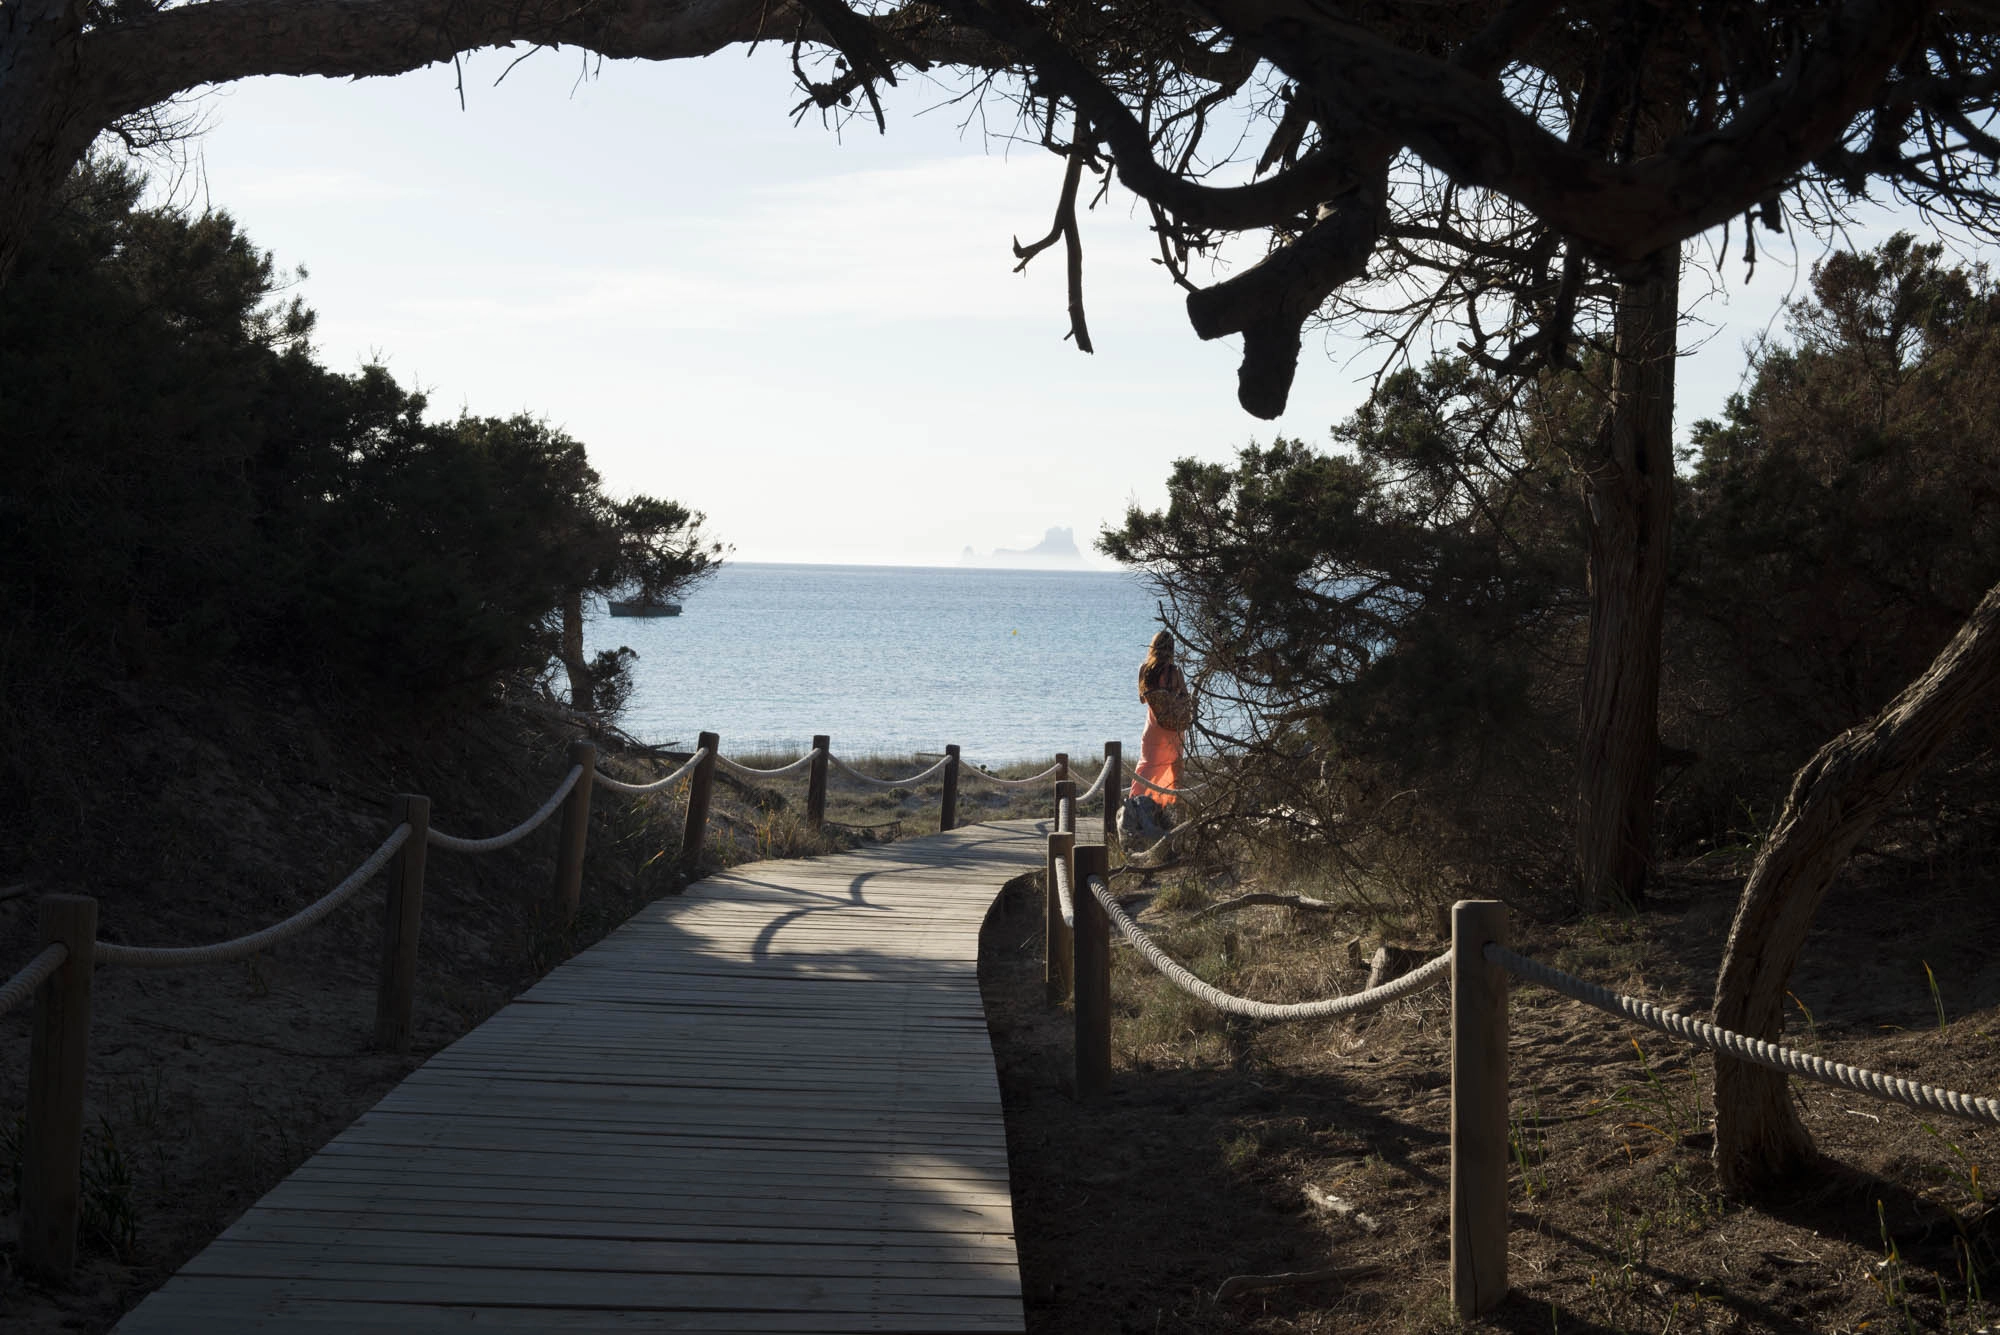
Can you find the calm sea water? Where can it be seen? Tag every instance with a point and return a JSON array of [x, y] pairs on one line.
[[1011, 665]]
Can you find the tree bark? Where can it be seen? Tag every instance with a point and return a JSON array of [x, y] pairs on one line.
[[1834, 800], [47, 120], [1629, 490], [582, 688]]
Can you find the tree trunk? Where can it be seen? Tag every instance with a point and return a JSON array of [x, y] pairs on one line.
[[1834, 800], [1629, 488], [581, 687], [47, 121]]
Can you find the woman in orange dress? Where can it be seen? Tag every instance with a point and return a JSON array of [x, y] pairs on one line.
[[1159, 746]]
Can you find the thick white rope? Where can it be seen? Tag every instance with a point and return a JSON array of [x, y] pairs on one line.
[[1065, 824], [620, 786], [1028, 782], [745, 772], [461, 844], [1358, 1003], [1097, 784], [174, 957], [1144, 782], [872, 782], [1063, 893], [32, 975], [1875, 1084]]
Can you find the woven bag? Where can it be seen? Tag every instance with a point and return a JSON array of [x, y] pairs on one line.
[[1172, 710]]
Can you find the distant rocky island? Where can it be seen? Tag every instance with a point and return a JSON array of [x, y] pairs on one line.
[[1056, 549]]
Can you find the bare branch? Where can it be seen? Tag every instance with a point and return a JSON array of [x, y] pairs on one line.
[[1065, 227]]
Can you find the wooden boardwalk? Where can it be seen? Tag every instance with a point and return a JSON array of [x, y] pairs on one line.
[[768, 1104]]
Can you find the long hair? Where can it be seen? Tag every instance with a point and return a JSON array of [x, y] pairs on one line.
[[1159, 658]]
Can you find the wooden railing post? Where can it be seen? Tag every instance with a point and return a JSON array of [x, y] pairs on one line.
[[575, 831], [1114, 790], [1478, 1108], [1062, 766], [695, 832], [1055, 935], [58, 1051], [1091, 943], [816, 781], [948, 818], [396, 993], [1065, 788]]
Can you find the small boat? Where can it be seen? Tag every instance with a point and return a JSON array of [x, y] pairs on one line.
[[637, 607]]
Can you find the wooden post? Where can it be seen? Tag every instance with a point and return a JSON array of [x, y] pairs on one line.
[[948, 819], [695, 832], [816, 781], [575, 831], [396, 993], [1062, 766], [58, 1050], [1091, 942], [1066, 788], [1478, 1108], [1114, 790], [1055, 935]]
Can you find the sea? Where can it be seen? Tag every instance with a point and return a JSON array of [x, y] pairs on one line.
[[1011, 665]]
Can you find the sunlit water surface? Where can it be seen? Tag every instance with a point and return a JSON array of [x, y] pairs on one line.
[[1011, 665]]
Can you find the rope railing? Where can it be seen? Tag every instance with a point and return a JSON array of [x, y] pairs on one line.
[[1096, 785], [1426, 976], [666, 781], [242, 947], [1029, 782], [745, 772], [32, 975], [871, 781], [1714, 1038], [1064, 898], [459, 844]]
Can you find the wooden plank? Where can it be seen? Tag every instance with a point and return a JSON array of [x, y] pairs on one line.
[[252, 1308], [670, 1139], [891, 1175], [515, 1272], [504, 1178], [941, 1212], [494, 1286], [695, 1138], [560, 1219], [670, 1245]]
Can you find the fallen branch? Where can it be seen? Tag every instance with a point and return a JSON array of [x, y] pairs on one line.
[[1265, 897], [1238, 1284], [1339, 1205]]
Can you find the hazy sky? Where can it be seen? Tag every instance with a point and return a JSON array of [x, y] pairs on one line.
[[818, 340]]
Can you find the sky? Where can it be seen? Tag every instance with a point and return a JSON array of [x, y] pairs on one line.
[[816, 339]]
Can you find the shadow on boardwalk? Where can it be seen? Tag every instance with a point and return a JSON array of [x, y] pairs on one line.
[[767, 1104]]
